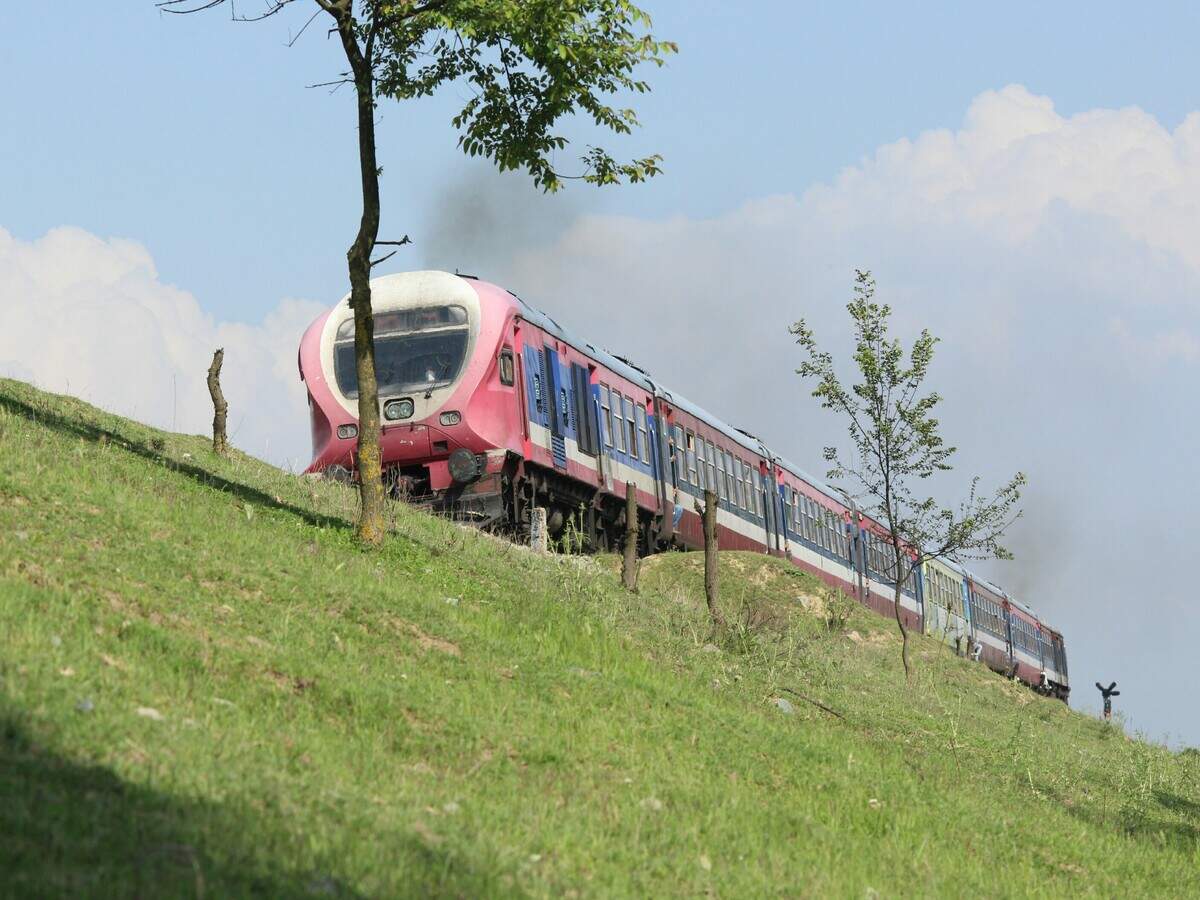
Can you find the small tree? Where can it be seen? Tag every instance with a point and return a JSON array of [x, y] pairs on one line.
[[528, 64], [896, 441]]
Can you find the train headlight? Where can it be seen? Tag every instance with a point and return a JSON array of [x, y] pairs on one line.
[[450, 418], [394, 410], [346, 432]]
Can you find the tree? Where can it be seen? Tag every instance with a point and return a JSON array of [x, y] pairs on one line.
[[529, 64], [897, 444]]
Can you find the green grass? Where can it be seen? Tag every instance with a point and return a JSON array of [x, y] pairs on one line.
[[453, 716]]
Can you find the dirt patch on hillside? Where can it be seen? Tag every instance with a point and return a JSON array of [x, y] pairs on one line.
[[426, 641]]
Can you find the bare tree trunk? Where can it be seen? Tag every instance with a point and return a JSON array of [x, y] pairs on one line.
[[710, 559], [903, 638], [629, 565], [371, 528], [220, 407]]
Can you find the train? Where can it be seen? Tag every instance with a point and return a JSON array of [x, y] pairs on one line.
[[490, 409]]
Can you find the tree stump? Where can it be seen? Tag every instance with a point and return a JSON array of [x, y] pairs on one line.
[[629, 565], [710, 559], [220, 407]]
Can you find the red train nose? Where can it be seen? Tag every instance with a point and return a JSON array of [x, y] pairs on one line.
[[406, 443]]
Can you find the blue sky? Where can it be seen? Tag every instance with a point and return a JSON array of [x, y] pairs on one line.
[[197, 137], [1024, 179]]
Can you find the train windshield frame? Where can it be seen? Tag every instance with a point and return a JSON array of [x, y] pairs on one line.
[[415, 350]]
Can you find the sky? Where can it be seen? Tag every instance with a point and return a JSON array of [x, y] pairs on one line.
[[1022, 180]]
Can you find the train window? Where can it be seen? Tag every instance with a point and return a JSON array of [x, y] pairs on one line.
[[631, 424], [605, 415], [506, 366], [730, 490], [701, 480], [710, 459], [678, 431], [752, 486], [618, 422], [720, 473], [691, 458], [415, 350], [643, 442]]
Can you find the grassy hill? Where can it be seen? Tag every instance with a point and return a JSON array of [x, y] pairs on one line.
[[206, 689]]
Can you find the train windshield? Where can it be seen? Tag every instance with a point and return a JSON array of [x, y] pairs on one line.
[[415, 350]]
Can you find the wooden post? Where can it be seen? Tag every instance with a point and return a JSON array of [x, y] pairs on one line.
[[538, 536], [220, 407], [710, 558], [629, 566]]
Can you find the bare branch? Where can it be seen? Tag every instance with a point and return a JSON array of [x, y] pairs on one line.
[[292, 42]]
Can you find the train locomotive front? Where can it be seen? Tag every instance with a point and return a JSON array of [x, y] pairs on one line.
[[448, 398]]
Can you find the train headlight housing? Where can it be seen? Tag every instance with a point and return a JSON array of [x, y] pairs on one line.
[[450, 418], [345, 432], [394, 410]]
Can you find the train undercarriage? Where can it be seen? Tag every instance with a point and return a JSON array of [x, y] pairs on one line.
[[578, 517]]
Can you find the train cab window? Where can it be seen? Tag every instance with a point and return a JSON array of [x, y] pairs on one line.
[[643, 441], [506, 366], [415, 350]]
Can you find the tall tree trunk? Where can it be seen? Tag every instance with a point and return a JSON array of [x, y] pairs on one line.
[[629, 565], [371, 527], [220, 407]]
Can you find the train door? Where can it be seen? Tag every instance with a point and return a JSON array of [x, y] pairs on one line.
[[587, 429], [519, 377], [556, 397]]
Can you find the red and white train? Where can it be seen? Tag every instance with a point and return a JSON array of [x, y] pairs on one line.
[[490, 408]]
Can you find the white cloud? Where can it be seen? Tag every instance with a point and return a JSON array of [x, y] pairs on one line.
[[90, 317]]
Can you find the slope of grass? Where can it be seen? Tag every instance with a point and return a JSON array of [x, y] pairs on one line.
[[206, 689]]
